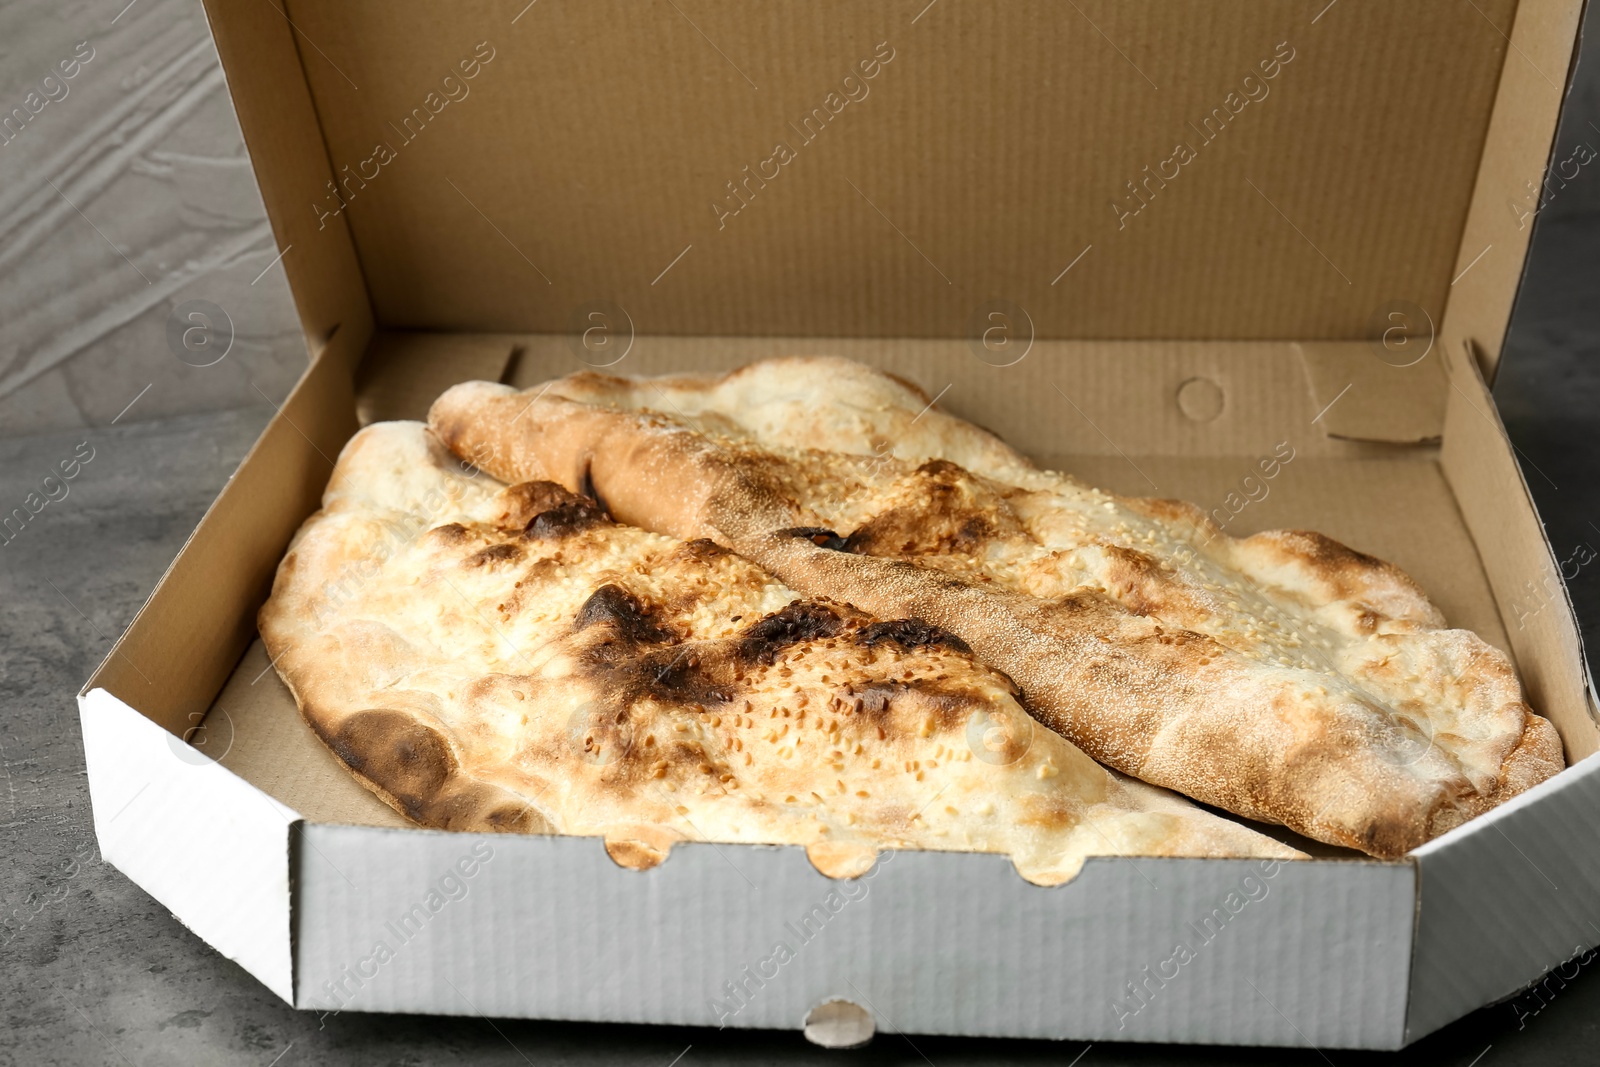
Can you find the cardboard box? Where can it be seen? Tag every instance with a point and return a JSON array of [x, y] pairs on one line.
[[1146, 244]]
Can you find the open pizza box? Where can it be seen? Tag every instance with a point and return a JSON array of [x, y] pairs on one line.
[[1154, 246]]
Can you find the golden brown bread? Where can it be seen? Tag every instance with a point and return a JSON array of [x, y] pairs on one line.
[[503, 658], [1282, 676]]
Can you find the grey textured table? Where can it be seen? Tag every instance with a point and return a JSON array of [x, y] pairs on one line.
[[94, 971]]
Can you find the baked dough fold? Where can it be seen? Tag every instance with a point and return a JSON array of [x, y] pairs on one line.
[[1283, 676], [507, 658]]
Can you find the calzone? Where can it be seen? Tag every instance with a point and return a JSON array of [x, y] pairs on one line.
[[1282, 676], [491, 656]]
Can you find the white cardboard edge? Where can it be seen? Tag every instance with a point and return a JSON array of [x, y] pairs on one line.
[[1317, 954], [1332, 955], [1506, 897], [211, 847]]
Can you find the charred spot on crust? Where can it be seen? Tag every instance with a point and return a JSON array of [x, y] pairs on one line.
[[950, 513], [912, 634], [623, 674], [451, 533], [915, 531], [624, 611], [637, 658], [949, 706], [804, 620], [411, 761], [675, 675], [817, 535], [701, 550], [546, 510], [875, 698], [564, 520], [525, 500], [501, 553]]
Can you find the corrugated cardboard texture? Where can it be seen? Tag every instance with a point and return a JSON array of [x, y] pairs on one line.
[[201, 841], [1395, 396], [1062, 398], [928, 942], [585, 157], [1493, 495], [1506, 899], [403, 373], [259, 56], [1511, 178]]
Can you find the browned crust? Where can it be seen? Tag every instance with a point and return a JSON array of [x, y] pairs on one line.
[[682, 695], [412, 767], [674, 695], [399, 753], [1113, 682], [1168, 705]]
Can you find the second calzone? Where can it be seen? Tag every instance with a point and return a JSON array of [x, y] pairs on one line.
[[1283, 676]]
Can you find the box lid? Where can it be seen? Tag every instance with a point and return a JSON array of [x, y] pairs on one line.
[[1220, 169]]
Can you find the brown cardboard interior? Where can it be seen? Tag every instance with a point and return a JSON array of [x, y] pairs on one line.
[[501, 166], [1511, 169], [402, 373], [1489, 486], [1400, 395]]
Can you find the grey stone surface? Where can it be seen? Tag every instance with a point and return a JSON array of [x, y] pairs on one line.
[[126, 193], [94, 971]]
